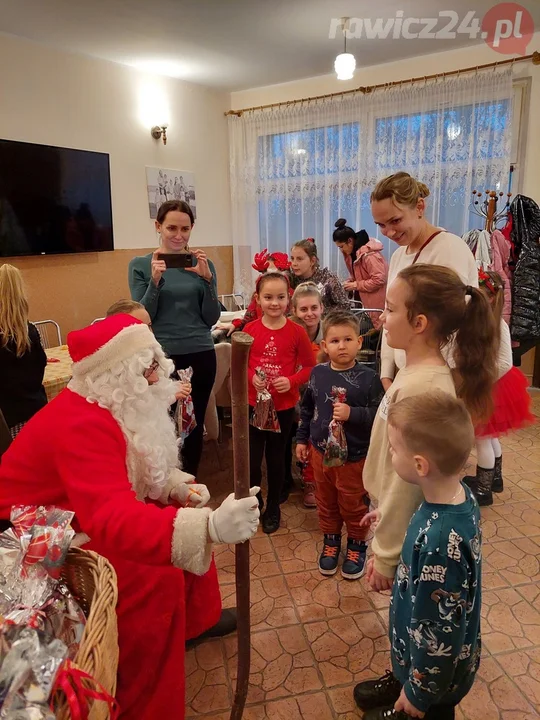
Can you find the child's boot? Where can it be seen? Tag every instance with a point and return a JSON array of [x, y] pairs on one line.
[[328, 560], [309, 495], [308, 480], [498, 484], [355, 559], [481, 485]]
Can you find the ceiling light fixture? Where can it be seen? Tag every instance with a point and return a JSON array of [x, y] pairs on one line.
[[345, 63]]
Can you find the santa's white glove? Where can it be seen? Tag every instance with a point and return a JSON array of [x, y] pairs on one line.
[[190, 494], [235, 521]]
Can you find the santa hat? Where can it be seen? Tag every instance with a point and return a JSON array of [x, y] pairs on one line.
[[97, 348]]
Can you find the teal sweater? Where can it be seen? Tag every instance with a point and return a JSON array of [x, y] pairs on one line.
[[183, 307], [435, 610]]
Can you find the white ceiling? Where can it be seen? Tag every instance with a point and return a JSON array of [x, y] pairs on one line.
[[227, 44]]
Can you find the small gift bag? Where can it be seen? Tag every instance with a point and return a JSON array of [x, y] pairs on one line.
[[185, 412], [335, 453], [264, 415]]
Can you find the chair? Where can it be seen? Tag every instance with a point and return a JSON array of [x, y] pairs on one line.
[[233, 302], [49, 332], [370, 354]]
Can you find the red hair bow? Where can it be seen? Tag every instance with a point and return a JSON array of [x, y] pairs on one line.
[[486, 280], [261, 261]]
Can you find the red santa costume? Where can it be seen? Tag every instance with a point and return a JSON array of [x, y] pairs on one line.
[[106, 449]]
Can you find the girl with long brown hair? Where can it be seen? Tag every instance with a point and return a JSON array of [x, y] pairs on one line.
[[22, 358], [427, 307], [305, 266], [511, 401]]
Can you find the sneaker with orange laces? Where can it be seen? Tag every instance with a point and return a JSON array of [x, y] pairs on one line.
[[328, 561], [355, 559], [309, 495]]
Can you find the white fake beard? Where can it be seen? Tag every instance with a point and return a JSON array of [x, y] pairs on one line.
[[142, 411]]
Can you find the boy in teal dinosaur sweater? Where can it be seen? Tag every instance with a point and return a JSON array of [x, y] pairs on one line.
[[436, 597]]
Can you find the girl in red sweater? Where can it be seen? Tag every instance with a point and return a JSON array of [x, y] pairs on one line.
[[283, 351]]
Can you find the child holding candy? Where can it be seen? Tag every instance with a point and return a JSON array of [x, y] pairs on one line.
[[280, 347], [336, 416]]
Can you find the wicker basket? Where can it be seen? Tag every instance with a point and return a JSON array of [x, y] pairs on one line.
[[92, 581]]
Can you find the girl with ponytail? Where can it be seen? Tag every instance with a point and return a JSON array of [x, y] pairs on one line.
[[427, 308], [511, 402]]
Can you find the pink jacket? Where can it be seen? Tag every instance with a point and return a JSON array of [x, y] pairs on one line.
[[370, 272], [500, 248]]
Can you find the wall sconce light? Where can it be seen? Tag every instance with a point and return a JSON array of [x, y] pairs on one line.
[[159, 132]]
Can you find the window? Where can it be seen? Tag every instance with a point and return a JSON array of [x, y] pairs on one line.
[[309, 178]]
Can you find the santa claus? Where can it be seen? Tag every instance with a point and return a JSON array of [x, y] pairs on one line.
[[106, 448]]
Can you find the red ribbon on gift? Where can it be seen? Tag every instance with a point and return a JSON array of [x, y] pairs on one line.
[[79, 687]]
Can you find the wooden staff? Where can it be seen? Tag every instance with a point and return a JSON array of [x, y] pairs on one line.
[[241, 343]]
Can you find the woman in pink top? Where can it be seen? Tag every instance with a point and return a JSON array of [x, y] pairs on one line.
[[366, 264]]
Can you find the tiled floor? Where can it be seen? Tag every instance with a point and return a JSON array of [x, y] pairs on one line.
[[313, 638]]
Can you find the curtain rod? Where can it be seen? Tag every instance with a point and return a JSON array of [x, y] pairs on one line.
[[534, 57]]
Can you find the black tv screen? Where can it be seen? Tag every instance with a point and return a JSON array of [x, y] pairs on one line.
[[53, 200]]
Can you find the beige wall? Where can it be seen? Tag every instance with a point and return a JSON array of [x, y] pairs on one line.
[[57, 98], [69, 100], [76, 289]]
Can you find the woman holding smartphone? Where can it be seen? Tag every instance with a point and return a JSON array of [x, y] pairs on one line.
[[183, 305]]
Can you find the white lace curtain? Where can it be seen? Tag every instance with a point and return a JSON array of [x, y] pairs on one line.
[[295, 170]]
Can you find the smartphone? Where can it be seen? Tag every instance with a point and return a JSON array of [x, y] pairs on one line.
[[177, 260]]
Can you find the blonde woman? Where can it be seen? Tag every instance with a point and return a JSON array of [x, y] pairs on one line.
[[398, 206], [22, 358]]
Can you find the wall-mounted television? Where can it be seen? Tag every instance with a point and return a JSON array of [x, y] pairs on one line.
[[53, 200]]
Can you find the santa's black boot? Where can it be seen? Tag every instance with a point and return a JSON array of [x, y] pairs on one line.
[[498, 484], [481, 485], [224, 626]]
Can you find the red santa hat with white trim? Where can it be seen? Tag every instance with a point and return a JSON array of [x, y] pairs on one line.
[[96, 349]]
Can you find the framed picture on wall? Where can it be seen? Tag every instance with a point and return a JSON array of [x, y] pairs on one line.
[[164, 184]]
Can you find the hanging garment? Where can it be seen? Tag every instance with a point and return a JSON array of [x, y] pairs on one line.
[[500, 253], [479, 243], [525, 323]]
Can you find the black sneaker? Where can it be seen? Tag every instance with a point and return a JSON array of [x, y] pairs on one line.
[[355, 559], [328, 561], [379, 693], [271, 520], [386, 713]]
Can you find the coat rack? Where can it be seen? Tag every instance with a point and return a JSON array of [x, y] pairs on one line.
[[487, 207]]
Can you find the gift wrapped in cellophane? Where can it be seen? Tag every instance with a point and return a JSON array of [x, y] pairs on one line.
[[185, 411], [335, 453], [264, 416], [41, 625]]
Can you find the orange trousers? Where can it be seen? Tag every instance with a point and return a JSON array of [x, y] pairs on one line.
[[341, 497]]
